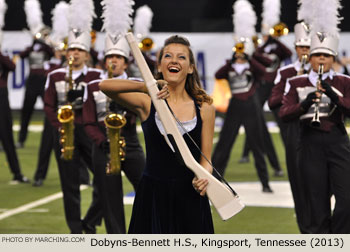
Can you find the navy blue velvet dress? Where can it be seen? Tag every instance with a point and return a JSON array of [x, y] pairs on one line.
[[165, 201]]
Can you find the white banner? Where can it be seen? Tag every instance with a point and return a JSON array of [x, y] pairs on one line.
[[210, 49], [181, 242]]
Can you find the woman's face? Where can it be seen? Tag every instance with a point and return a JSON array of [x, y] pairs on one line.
[[175, 64]]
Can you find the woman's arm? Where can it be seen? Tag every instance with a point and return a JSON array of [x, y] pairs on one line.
[[208, 119], [128, 93]]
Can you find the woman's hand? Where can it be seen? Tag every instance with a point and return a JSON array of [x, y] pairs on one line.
[[200, 185], [164, 90]]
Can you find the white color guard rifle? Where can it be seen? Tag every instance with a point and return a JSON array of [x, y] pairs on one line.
[[226, 202]]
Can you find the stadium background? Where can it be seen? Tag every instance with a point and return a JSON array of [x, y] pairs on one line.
[[208, 25]]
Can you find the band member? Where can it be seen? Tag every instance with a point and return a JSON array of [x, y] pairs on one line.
[[277, 52], [96, 107], [290, 131], [56, 95], [37, 54], [59, 32], [169, 199], [242, 73], [141, 28], [321, 100], [6, 133]]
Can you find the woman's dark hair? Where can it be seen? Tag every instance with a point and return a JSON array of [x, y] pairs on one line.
[[193, 85]]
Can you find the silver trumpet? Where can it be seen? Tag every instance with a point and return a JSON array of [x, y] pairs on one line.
[[315, 122]]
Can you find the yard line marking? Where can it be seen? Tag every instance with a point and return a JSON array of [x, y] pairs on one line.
[[38, 210], [34, 204]]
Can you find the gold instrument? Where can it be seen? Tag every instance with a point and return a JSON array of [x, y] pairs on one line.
[[256, 41], [114, 122], [315, 122], [279, 30], [146, 44], [303, 62], [65, 116], [238, 48]]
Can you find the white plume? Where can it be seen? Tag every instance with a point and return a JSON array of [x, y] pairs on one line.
[[81, 14], [271, 12], [326, 16], [143, 21], [34, 15], [60, 25], [117, 16], [244, 19], [305, 11], [3, 8]]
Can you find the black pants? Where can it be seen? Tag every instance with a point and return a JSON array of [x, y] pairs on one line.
[[46, 146], [69, 172], [35, 86], [248, 113], [264, 92], [111, 189], [324, 162], [294, 175], [6, 134]]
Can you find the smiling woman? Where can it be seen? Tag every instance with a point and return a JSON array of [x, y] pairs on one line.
[[169, 195]]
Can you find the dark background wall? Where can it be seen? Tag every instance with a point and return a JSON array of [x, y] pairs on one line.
[[175, 15]]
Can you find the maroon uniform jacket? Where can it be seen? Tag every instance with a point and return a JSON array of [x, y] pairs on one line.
[[6, 66], [277, 92], [291, 108], [255, 71], [94, 112], [277, 52], [37, 54], [55, 94], [52, 64]]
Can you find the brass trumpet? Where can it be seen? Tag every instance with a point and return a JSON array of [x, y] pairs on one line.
[[279, 30], [315, 122], [146, 44]]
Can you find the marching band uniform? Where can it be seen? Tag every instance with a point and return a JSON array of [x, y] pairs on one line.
[[55, 96], [276, 51], [324, 151], [94, 111], [242, 73], [6, 134], [37, 54], [69, 171], [244, 108], [57, 36], [323, 154], [46, 142], [290, 130]]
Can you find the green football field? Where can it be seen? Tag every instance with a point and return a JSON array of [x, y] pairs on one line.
[[18, 216]]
